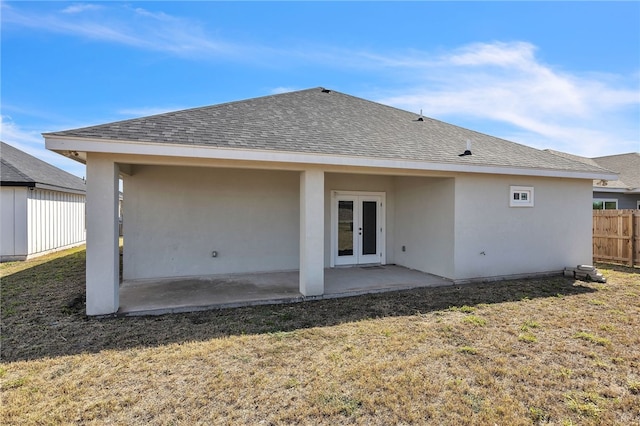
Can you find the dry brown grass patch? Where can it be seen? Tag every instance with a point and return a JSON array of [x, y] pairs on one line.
[[451, 355]]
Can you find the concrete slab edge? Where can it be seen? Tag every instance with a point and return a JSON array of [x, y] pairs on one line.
[[298, 299], [275, 301], [507, 277]]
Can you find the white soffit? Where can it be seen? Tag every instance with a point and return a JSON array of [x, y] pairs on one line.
[[65, 145]]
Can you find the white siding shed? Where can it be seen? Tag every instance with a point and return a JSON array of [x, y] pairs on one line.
[[42, 208]]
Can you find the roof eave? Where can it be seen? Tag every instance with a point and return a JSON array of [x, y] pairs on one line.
[[617, 190], [60, 188], [76, 147], [16, 183]]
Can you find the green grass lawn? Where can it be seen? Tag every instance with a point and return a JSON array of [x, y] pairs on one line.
[[541, 351]]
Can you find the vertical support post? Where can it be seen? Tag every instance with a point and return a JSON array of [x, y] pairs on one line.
[[312, 232], [636, 237], [631, 235], [103, 254]]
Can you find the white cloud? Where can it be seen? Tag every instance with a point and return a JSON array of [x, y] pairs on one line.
[[32, 142], [81, 7], [27, 140], [282, 89], [504, 86], [160, 16], [505, 83], [518, 54], [124, 25]]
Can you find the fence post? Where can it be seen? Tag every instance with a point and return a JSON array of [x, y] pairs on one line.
[[631, 235], [635, 234]]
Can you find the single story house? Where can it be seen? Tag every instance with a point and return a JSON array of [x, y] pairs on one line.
[[318, 179], [621, 193], [42, 207]]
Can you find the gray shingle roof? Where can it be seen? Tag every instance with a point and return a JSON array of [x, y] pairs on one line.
[[17, 168], [326, 122], [626, 165], [573, 157]]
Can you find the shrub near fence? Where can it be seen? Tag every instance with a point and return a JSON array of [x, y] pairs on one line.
[[616, 236]]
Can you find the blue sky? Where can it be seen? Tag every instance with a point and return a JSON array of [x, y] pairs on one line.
[[559, 75]]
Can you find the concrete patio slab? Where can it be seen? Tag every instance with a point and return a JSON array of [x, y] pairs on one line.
[[161, 296]]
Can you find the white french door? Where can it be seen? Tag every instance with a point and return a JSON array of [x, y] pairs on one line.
[[358, 228]]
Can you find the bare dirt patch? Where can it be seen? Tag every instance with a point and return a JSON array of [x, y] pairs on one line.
[[542, 351]]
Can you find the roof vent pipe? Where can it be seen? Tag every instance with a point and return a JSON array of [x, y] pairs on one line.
[[420, 118], [467, 151]]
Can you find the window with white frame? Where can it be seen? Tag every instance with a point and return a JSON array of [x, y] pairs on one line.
[[521, 196], [605, 204]]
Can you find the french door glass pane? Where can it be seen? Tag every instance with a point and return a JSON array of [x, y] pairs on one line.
[[345, 228], [369, 225]]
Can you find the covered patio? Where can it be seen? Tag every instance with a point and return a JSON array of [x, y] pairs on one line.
[[173, 295]]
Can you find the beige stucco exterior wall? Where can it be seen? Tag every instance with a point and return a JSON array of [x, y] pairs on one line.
[[460, 227], [175, 217], [424, 224], [250, 217], [495, 240]]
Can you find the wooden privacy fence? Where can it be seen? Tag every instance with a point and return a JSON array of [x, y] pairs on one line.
[[616, 236]]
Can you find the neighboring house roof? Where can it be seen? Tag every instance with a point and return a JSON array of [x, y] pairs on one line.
[[626, 166], [573, 157], [328, 123], [21, 169]]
